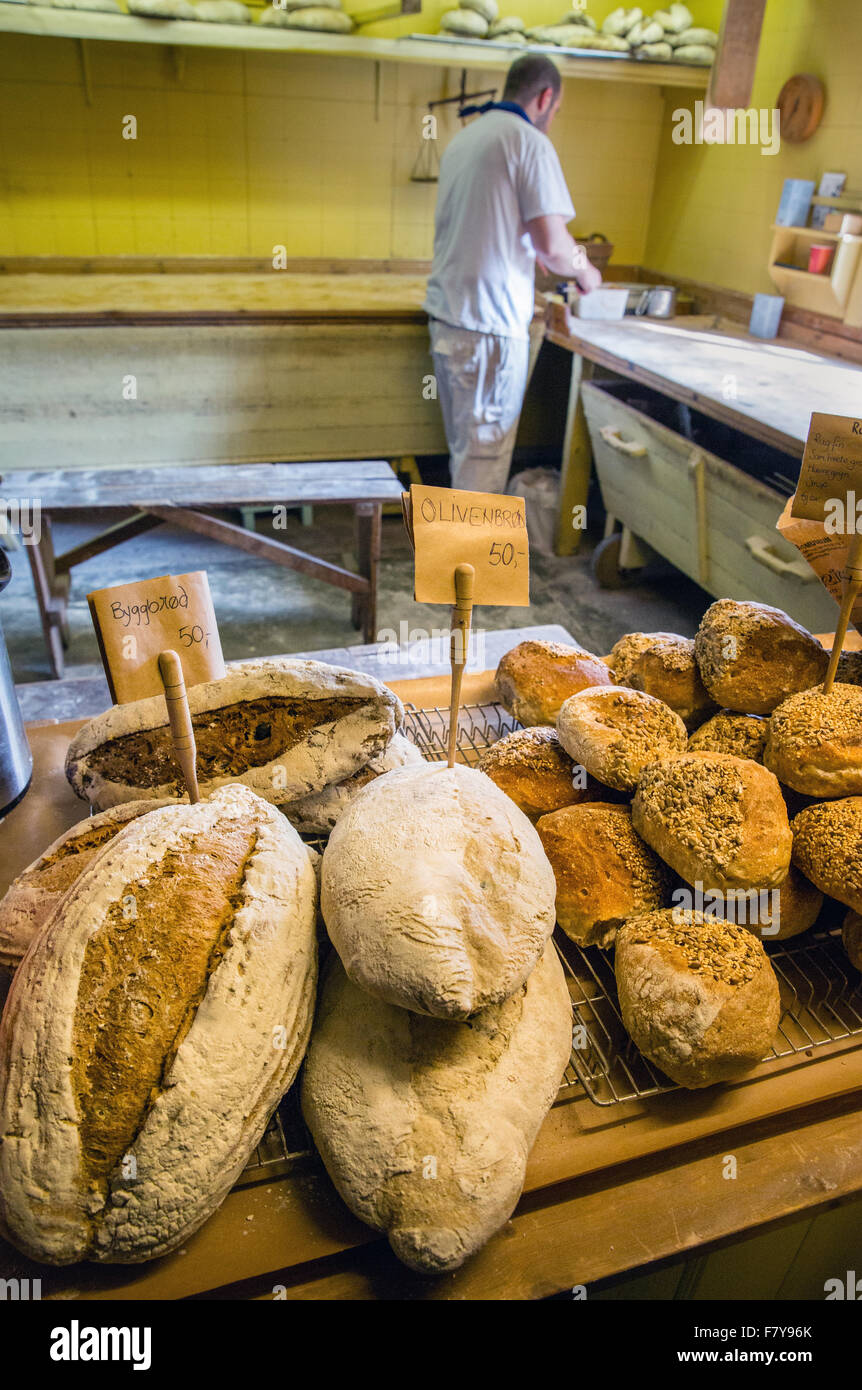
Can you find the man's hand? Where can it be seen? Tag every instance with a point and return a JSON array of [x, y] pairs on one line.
[[559, 253]]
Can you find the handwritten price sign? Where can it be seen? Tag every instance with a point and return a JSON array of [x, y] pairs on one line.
[[485, 530], [134, 622]]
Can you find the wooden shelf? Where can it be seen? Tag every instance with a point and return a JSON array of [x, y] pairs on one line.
[[816, 233], [833, 293], [122, 28]]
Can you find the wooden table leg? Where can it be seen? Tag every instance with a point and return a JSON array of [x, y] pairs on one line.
[[368, 535], [51, 594], [577, 460]]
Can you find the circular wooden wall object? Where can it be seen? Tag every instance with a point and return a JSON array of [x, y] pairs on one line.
[[801, 102]]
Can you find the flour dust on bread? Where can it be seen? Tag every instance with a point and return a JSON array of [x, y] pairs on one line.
[[425, 1124], [152, 1028], [317, 814], [32, 896], [436, 892], [285, 727]]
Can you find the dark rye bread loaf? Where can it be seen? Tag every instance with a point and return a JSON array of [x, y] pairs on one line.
[[152, 1028], [284, 727], [33, 895]]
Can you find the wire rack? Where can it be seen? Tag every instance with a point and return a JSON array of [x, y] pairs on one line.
[[821, 993]]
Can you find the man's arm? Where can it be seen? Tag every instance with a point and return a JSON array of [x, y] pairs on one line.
[[559, 253]]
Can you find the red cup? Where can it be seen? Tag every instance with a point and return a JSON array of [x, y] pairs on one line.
[[819, 259]]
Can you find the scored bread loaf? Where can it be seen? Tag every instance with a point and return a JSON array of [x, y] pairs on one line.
[[604, 870], [317, 814], [699, 998], [716, 819], [425, 1125], [436, 891], [614, 732], [32, 896], [151, 1029], [283, 726], [751, 656], [535, 678]]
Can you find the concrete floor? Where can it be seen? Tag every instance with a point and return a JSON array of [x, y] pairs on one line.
[[262, 608]]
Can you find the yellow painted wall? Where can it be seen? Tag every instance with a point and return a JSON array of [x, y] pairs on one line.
[[243, 151], [714, 205]]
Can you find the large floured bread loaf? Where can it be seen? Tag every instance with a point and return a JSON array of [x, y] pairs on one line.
[[436, 891], [33, 895], [285, 727], [425, 1125], [152, 1028]]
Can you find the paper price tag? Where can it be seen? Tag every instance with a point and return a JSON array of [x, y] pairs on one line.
[[482, 529], [830, 476], [134, 622]]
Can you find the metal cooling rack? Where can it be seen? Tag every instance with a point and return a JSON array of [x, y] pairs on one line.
[[821, 993]]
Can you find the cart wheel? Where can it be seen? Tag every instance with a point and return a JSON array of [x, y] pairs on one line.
[[606, 564]]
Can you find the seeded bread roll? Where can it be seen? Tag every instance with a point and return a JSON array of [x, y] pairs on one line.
[[774, 914], [743, 735], [614, 733], [663, 664], [751, 656], [534, 678], [717, 820], [436, 892], [317, 814], [151, 1029], [827, 848], [425, 1125], [284, 727], [814, 743], [532, 767], [851, 936], [699, 998], [604, 871], [32, 896]]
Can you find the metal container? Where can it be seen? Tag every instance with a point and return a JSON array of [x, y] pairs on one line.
[[657, 302], [16, 760]]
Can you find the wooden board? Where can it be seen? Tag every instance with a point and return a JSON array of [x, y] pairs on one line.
[[776, 387], [284, 295]]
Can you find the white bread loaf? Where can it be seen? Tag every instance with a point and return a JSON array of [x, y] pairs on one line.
[[284, 727], [436, 891], [151, 1030], [425, 1125], [32, 896], [317, 814]]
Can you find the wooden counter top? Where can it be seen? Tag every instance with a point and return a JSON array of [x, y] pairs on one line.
[[767, 389]]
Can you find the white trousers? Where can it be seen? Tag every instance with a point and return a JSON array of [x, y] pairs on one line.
[[481, 379]]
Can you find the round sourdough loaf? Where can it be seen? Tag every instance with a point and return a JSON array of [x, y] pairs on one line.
[[814, 742], [152, 1028], [424, 1124], [604, 870], [534, 678], [436, 891], [283, 726], [743, 735], [716, 819], [663, 664], [751, 656], [827, 848], [32, 896], [698, 997], [614, 732], [317, 814], [851, 935]]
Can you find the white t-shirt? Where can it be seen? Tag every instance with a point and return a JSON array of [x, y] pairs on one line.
[[498, 173]]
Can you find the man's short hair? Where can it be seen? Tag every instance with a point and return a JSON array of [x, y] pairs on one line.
[[530, 75]]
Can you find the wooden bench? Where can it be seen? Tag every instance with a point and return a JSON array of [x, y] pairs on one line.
[[186, 497]]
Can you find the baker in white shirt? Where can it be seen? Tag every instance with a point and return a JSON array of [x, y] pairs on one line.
[[502, 204]]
